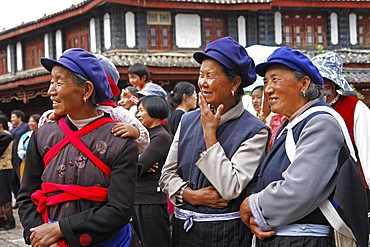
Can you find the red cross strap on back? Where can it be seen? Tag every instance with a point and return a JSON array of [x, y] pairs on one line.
[[73, 137]]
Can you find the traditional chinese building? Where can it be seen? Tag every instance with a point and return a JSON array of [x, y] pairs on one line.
[[163, 34]]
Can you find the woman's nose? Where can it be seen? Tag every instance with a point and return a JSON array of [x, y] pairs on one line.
[[202, 82], [51, 89]]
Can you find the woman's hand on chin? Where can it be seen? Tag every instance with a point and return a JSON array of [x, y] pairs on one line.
[[209, 120]]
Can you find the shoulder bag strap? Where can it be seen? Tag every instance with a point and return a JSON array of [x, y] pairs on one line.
[[326, 207]]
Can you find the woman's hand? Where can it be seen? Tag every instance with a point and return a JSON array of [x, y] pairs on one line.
[[207, 196], [209, 120], [153, 168], [47, 234], [248, 219], [125, 130], [257, 231]]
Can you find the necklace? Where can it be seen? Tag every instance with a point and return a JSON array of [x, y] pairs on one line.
[[335, 99]]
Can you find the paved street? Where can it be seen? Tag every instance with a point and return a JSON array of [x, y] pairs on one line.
[[13, 238]]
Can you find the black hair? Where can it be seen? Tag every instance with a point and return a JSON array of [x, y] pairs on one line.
[[35, 117], [4, 122], [180, 89], [140, 70], [19, 113], [156, 106]]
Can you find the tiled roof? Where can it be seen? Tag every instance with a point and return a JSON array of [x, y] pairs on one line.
[[180, 60], [357, 75], [185, 60]]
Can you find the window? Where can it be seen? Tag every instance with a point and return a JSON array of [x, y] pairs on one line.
[[77, 36], [214, 27], [3, 69], [363, 30], [304, 28], [159, 30], [34, 48]]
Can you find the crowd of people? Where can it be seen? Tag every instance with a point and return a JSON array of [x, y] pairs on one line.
[[194, 166]]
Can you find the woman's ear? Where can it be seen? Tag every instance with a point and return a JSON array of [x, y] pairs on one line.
[[184, 97], [306, 83], [89, 89], [236, 83]]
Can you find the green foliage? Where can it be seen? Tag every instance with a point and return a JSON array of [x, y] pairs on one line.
[[319, 50], [359, 95]]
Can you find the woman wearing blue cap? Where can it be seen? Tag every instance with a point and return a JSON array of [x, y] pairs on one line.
[[308, 164], [79, 181], [215, 153]]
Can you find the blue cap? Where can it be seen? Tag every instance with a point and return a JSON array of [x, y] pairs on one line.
[[86, 64], [232, 55], [152, 89], [294, 60]]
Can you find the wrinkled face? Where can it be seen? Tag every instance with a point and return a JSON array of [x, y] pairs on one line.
[[329, 87], [15, 120], [66, 94], [257, 99], [214, 85], [282, 90], [32, 124], [136, 81], [143, 116]]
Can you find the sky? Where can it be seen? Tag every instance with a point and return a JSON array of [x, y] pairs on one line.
[[14, 12]]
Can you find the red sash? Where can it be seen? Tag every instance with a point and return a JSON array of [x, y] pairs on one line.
[[70, 192], [73, 138]]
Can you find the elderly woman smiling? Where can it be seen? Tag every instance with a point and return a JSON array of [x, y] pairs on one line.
[[79, 181], [215, 152], [285, 210]]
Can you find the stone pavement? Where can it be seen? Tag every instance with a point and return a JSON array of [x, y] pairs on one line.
[[14, 237]]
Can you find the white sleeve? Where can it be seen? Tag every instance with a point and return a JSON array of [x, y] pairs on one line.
[[20, 149], [121, 115], [361, 132]]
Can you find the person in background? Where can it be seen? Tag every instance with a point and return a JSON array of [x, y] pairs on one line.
[[10, 125], [138, 76], [260, 105], [131, 127], [7, 220], [247, 103], [79, 181], [17, 118], [215, 153], [284, 210], [152, 218], [33, 124], [352, 109], [183, 98], [128, 100]]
